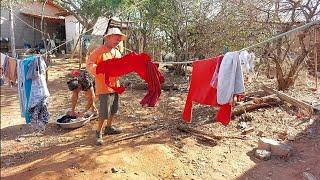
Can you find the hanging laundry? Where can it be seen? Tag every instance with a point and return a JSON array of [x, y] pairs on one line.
[[230, 78], [2, 58], [142, 65], [4, 67], [244, 57], [247, 61], [39, 115], [33, 91], [24, 86], [21, 91], [214, 80], [10, 69], [202, 92], [36, 73]]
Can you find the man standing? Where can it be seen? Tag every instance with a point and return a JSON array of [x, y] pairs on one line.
[[109, 99]]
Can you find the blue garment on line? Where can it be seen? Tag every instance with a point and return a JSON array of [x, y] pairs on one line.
[[24, 86], [27, 86]]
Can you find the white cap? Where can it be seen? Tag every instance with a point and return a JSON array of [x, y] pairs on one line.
[[116, 31]]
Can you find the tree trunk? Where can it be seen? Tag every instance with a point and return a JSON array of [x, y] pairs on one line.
[[284, 84], [179, 68], [13, 44], [286, 81], [44, 40]]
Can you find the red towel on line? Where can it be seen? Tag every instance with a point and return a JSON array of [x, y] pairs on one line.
[[142, 65], [202, 92]]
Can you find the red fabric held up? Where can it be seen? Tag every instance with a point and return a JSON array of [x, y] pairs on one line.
[[140, 64]]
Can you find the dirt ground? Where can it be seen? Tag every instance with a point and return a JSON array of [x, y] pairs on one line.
[[165, 153]]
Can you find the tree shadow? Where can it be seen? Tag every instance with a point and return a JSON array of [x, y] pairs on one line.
[[25, 130], [9, 95], [44, 157]]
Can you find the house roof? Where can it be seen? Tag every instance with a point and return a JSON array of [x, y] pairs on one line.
[[45, 16], [63, 13], [33, 9]]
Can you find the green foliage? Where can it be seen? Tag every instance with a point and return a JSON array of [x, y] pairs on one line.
[[88, 12], [96, 8]]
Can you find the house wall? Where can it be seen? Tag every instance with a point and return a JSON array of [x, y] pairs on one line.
[[73, 29], [24, 32]]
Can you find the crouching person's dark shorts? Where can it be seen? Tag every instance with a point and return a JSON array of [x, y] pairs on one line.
[[109, 105]]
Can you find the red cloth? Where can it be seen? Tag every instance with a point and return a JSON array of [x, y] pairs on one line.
[[75, 73], [142, 65], [202, 92]]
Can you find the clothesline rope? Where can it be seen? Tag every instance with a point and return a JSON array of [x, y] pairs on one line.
[[300, 28]]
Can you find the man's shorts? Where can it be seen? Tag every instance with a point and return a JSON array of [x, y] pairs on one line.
[[109, 105]]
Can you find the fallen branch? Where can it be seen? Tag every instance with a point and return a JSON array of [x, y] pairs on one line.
[[256, 103], [168, 87], [198, 133], [204, 135], [291, 100], [136, 135]]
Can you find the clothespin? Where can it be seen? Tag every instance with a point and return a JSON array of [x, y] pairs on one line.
[[225, 49]]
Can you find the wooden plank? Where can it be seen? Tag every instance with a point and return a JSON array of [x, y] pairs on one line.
[[289, 99]]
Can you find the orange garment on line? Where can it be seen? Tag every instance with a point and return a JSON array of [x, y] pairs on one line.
[[92, 64], [11, 74]]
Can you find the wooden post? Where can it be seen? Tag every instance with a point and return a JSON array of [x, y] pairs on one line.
[[13, 44], [34, 32], [44, 39], [80, 51], [75, 46], [316, 57]]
